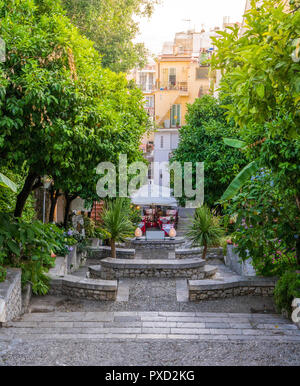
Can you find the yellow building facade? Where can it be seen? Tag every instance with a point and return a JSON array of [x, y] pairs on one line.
[[180, 80]]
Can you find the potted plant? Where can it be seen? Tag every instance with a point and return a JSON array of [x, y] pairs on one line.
[[117, 223], [205, 229]]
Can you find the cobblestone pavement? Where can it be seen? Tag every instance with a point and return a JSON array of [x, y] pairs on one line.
[[149, 338], [151, 323], [152, 294], [155, 353]]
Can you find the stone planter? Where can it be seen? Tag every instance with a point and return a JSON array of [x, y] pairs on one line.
[[94, 242], [11, 296], [296, 312], [234, 262], [73, 260]]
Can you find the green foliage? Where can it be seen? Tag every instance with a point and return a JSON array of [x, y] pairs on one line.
[[116, 222], [135, 215], [7, 183], [287, 288], [61, 113], [201, 140], [89, 227], [205, 229], [267, 226], [29, 246], [259, 72], [2, 274], [240, 181], [112, 25], [8, 198]]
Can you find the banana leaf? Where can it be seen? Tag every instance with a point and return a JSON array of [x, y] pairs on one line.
[[234, 143], [7, 183], [240, 181]]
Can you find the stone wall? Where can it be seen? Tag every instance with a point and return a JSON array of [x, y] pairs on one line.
[[84, 288], [112, 269], [167, 244], [233, 261], [100, 253], [212, 253], [296, 309], [11, 296], [212, 289]]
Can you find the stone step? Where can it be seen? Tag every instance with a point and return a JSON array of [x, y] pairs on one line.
[[151, 326], [210, 271]]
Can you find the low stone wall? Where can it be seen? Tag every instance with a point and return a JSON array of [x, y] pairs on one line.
[[212, 253], [11, 296], [167, 244], [99, 253], [77, 287], [188, 253], [215, 254], [111, 269], [213, 289]]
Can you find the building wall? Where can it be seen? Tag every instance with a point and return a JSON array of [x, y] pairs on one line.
[[166, 140], [190, 88]]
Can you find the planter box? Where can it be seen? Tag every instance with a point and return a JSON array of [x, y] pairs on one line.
[[233, 261], [75, 259], [11, 296]]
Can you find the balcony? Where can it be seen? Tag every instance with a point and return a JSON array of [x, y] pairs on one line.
[[182, 87]]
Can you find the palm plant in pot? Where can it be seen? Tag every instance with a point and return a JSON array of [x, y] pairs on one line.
[[116, 223], [205, 230]]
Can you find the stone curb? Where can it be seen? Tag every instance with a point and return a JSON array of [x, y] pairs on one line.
[[83, 288], [153, 264], [213, 289]]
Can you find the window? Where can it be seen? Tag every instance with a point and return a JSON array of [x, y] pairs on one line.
[[176, 115], [162, 142], [143, 81], [202, 73], [149, 101], [172, 76]]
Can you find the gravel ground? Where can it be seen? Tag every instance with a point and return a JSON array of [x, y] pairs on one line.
[[190, 353], [155, 295]]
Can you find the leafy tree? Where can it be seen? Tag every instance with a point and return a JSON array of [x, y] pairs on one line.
[[267, 224], [205, 229], [112, 25], [8, 197], [261, 73], [116, 223], [61, 113], [201, 140]]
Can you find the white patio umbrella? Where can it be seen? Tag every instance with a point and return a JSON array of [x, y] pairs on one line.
[[152, 194]]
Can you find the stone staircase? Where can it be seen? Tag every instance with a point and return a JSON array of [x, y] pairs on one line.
[[182, 226], [137, 326]]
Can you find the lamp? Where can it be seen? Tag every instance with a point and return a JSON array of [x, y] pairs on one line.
[[46, 185], [172, 233], [138, 233]]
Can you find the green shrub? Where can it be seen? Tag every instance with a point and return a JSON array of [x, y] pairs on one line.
[[89, 227], [31, 247], [205, 229], [287, 288], [2, 274]]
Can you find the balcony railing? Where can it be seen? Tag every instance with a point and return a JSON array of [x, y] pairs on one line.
[[180, 86]]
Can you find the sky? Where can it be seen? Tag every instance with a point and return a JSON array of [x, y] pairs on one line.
[[171, 16]]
